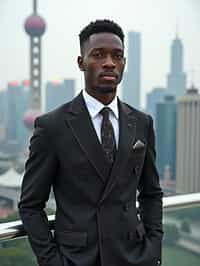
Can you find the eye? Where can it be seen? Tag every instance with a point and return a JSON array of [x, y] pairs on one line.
[[98, 54], [118, 56]]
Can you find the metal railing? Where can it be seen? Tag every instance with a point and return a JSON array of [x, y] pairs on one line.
[[14, 230]]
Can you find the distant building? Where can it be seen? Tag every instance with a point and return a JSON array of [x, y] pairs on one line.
[[132, 77], [166, 137], [16, 105], [2, 115], [176, 81], [155, 96], [167, 183], [2, 132], [58, 93], [2, 106], [12, 111], [188, 143]]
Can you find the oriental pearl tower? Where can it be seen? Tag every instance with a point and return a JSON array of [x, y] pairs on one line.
[[35, 27]]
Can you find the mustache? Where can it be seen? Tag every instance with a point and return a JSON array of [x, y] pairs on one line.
[[109, 73]]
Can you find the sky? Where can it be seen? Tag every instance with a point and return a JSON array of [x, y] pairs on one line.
[[156, 20]]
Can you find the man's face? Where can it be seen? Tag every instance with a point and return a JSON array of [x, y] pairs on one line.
[[102, 62]]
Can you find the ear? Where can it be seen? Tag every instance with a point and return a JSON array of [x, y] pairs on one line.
[[124, 64], [80, 63], [124, 61]]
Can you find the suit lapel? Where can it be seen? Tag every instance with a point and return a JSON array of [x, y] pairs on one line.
[[127, 131], [78, 119]]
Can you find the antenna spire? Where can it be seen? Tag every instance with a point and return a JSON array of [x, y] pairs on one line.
[[191, 77], [35, 6], [177, 28]]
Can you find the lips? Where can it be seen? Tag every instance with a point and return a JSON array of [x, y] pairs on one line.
[[108, 76]]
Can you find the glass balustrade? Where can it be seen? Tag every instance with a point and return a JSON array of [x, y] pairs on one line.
[[16, 253], [181, 243]]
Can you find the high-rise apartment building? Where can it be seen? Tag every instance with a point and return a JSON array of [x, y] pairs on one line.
[[188, 143], [58, 93], [176, 81], [166, 136], [132, 77]]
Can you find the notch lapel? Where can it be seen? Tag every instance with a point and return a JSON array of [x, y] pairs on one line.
[[78, 119], [127, 132]]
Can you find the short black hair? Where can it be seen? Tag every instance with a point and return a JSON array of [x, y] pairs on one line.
[[98, 26]]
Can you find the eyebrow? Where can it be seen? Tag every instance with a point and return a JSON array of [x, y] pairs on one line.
[[102, 48]]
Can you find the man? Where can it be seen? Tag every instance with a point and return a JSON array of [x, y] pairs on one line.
[[96, 152]]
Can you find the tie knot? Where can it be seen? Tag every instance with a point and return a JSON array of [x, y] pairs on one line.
[[105, 112]]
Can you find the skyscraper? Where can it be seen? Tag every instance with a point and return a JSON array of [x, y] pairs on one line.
[[176, 81], [188, 143], [132, 77], [154, 97], [166, 136], [58, 93], [12, 113], [16, 105]]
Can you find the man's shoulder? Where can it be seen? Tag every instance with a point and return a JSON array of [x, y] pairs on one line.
[[56, 116]]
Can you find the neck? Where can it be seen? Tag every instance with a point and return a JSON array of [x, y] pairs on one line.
[[104, 98]]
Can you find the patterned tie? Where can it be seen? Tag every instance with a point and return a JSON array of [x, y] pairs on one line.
[[107, 136]]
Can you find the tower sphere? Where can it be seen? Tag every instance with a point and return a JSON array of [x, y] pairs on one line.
[[35, 25]]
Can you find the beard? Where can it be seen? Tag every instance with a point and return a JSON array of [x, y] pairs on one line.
[[106, 90]]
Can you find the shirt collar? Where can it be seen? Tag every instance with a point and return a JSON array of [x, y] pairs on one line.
[[94, 106]]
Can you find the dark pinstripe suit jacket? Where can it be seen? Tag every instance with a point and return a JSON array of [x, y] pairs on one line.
[[96, 216]]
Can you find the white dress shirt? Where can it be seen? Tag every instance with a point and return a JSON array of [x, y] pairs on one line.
[[94, 107]]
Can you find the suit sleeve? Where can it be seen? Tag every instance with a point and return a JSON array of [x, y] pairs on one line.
[[40, 170], [150, 194]]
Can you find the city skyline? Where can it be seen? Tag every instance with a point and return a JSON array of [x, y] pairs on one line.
[[61, 47]]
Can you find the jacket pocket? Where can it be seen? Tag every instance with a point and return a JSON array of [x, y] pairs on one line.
[[71, 238], [138, 235], [140, 230]]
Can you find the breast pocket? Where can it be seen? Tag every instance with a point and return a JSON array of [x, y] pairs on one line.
[[138, 150], [137, 159]]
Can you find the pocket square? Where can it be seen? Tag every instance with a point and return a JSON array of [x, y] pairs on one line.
[[138, 144]]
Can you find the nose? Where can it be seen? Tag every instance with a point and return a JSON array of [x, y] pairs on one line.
[[108, 62]]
